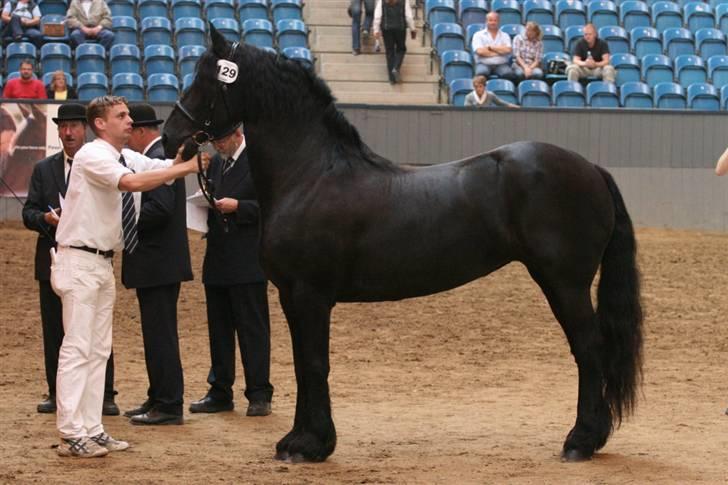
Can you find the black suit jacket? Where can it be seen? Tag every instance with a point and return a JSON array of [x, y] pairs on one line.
[[46, 182], [231, 257], [163, 254]]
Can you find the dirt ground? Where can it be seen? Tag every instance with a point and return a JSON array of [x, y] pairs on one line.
[[475, 385]]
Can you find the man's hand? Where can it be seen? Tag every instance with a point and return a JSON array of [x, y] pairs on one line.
[[51, 218], [226, 205]]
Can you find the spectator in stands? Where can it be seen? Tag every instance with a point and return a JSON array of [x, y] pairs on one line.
[[391, 20], [355, 11], [59, 89], [528, 53], [481, 98], [591, 58], [24, 87], [21, 18], [89, 20], [492, 50]]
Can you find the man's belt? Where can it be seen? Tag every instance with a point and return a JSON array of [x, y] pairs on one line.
[[106, 254]]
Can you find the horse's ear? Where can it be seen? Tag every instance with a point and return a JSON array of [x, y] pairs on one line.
[[219, 42]]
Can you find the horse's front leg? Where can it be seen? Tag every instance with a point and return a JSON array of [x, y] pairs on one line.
[[313, 437]]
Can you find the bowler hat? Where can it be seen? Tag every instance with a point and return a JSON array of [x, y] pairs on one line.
[[143, 114], [224, 133], [70, 112]]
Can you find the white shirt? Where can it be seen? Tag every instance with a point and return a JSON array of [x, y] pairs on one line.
[[86, 4], [235, 155], [66, 165], [482, 38], [138, 195], [92, 207]]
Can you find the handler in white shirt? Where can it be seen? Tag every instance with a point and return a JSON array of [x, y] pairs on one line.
[[81, 272], [492, 50]]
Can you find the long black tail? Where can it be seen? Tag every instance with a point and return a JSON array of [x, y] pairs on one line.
[[619, 313]]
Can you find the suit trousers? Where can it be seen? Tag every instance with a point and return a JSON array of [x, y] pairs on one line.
[[52, 322], [241, 309], [395, 47], [158, 308], [85, 282]]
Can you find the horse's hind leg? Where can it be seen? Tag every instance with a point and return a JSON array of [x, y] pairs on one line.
[[313, 437], [574, 311]]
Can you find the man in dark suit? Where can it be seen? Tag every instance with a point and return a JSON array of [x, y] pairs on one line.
[[49, 179], [156, 269], [235, 286]]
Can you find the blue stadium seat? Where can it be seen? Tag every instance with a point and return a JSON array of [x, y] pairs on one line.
[[508, 10], [258, 33], [292, 33], [125, 30], [548, 57], [627, 67], [710, 42], [568, 94], [299, 54], [48, 77], [721, 17], [634, 14], [162, 88], [570, 12], [229, 28], [16, 52], [698, 15], [690, 69], [676, 42], [55, 56], [617, 39], [252, 9], [186, 8], [602, 13], [124, 58], [572, 35], [503, 88], [553, 38], [190, 31], [458, 89], [91, 85], [156, 31], [513, 30], [645, 40], [54, 19], [220, 9], [635, 95], [455, 65], [703, 96], [473, 12], [715, 3], [291, 9], [718, 71], [187, 57], [669, 96], [600, 94], [656, 68], [187, 81], [90, 58], [539, 11], [128, 84], [159, 59], [153, 8], [121, 8], [470, 32], [448, 36], [724, 97], [534, 94], [666, 15], [53, 7]]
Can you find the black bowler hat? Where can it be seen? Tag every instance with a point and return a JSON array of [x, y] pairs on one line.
[[70, 112], [143, 114], [227, 132]]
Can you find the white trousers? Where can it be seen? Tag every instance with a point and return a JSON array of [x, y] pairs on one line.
[[85, 283]]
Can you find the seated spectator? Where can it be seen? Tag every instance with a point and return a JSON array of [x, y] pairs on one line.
[[58, 89], [528, 53], [481, 98], [21, 18], [89, 20], [492, 50], [24, 87], [591, 58]]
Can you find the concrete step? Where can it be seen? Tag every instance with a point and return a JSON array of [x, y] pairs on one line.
[[384, 93], [326, 38], [334, 13], [366, 67]]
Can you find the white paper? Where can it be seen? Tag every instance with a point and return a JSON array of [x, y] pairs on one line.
[[197, 212], [60, 201]]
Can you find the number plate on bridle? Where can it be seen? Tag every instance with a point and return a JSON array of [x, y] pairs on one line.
[[227, 71]]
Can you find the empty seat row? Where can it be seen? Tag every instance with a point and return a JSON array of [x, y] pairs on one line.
[[212, 9], [685, 70]]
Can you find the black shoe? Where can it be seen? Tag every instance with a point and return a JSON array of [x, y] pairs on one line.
[[156, 417], [210, 405], [48, 405], [110, 408], [144, 408], [396, 76], [258, 408]]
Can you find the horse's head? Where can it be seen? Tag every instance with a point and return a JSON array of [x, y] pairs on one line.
[[206, 107]]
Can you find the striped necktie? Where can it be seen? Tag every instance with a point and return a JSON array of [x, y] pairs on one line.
[[228, 164], [128, 218]]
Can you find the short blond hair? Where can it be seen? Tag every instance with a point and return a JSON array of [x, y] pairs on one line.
[[99, 107]]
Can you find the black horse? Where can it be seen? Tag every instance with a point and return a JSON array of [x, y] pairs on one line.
[[340, 223]]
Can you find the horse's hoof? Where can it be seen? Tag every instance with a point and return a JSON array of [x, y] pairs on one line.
[[575, 455], [282, 456], [296, 458]]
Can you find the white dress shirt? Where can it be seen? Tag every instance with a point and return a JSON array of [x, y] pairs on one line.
[[92, 207]]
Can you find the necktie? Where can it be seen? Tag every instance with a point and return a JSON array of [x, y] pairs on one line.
[[128, 218], [228, 165], [70, 167]]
